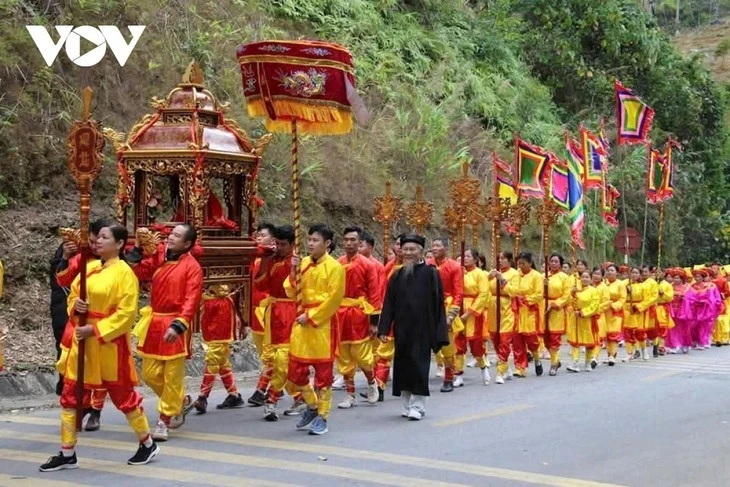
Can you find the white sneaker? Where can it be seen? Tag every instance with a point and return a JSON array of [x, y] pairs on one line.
[[499, 379], [611, 361], [644, 354], [372, 393], [621, 343], [587, 366], [348, 402], [414, 415], [439, 371], [339, 383], [485, 376], [458, 381], [510, 374], [160, 433], [573, 367], [627, 358], [472, 363]]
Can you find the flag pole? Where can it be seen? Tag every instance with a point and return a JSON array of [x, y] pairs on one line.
[[297, 212]]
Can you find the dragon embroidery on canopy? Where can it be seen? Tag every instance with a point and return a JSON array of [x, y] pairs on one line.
[[303, 83]]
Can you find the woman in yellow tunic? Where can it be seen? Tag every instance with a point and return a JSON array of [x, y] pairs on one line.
[[663, 312], [476, 295], [506, 279], [111, 310], [584, 333], [637, 305], [603, 307], [528, 300], [615, 312], [558, 286]]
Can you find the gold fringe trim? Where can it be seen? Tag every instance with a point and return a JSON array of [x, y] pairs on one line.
[[311, 119]]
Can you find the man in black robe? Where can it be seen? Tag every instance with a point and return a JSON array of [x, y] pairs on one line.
[[414, 307]]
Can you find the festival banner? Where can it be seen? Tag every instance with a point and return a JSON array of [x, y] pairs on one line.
[[655, 176], [532, 164], [594, 159], [559, 184], [504, 178], [576, 211], [609, 206], [633, 116]]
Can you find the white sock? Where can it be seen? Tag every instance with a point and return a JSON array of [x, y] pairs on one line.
[[148, 442], [67, 452]]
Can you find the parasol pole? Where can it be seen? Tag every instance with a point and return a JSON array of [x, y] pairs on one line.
[[297, 213], [661, 235], [547, 214], [387, 210]]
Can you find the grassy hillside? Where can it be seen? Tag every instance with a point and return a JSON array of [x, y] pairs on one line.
[[446, 82]]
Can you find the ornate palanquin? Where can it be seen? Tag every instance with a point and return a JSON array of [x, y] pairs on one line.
[[188, 163]]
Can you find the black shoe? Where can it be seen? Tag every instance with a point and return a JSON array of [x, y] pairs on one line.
[[655, 351], [94, 421], [144, 454], [381, 395], [538, 368], [59, 385], [231, 402], [59, 462], [448, 386], [201, 404], [637, 355], [257, 399]]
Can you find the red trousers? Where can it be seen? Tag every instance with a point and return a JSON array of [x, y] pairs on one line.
[[633, 335], [125, 399], [299, 373], [554, 341], [658, 332], [520, 344], [505, 345], [476, 345]]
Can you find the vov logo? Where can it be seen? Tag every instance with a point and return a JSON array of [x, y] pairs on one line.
[[70, 36]]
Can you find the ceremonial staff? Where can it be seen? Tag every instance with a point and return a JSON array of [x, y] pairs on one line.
[[464, 194], [547, 214], [284, 81], [419, 212], [387, 211], [85, 159], [499, 210], [519, 216], [453, 223]]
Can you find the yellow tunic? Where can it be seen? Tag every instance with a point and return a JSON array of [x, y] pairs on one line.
[[112, 294], [649, 305], [559, 287], [640, 297], [615, 312], [476, 295], [507, 316], [665, 296], [323, 287], [603, 307], [587, 302], [529, 298]]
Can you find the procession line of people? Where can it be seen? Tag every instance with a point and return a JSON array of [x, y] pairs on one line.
[[357, 314]]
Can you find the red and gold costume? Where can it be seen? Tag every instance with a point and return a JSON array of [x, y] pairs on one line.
[[452, 279], [314, 343], [615, 315], [475, 334], [112, 297], [278, 313], [218, 327], [638, 302], [363, 298], [257, 326], [65, 277], [652, 288], [507, 317], [175, 296], [584, 333], [527, 301], [662, 314], [559, 288], [604, 303], [386, 350], [721, 333]]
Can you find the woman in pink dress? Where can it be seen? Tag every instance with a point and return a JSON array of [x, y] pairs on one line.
[[679, 337], [701, 306]]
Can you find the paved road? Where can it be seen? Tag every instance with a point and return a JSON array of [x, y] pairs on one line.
[[661, 423]]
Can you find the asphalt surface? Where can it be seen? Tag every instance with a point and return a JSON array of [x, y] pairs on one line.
[[665, 422]]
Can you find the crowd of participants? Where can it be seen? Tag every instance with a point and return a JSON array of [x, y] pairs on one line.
[[516, 310]]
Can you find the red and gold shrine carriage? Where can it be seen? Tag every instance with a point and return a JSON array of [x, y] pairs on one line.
[[188, 163]]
